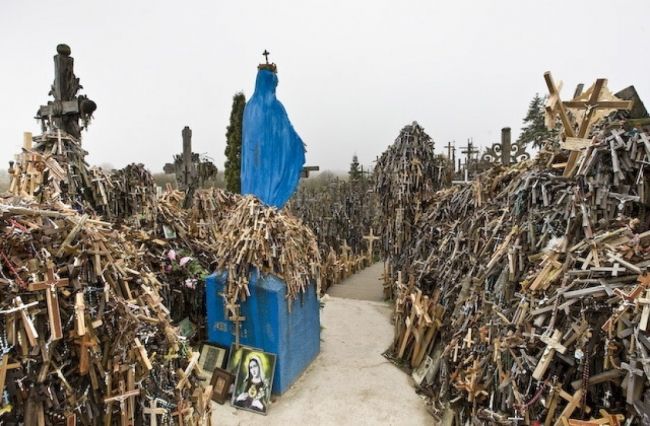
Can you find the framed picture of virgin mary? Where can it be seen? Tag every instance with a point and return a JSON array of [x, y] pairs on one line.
[[253, 381]]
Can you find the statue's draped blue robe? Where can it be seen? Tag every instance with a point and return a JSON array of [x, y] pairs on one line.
[[272, 152]]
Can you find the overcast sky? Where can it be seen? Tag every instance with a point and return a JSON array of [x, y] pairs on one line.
[[352, 73]]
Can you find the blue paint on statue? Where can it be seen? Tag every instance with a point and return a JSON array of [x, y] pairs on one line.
[[272, 152]]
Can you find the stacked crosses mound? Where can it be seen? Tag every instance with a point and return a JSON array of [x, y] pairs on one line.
[[527, 296]]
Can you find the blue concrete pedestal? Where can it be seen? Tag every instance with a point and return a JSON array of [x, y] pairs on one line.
[[294, 337]]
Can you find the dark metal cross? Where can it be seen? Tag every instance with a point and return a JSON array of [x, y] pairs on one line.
[[266, 54]]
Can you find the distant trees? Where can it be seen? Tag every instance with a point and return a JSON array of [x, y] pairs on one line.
[[355, 173], [534, 130], [233, 144]]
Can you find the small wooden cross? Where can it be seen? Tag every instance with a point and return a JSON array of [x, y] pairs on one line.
[[266, 54], [552, 345], [28, 325], [4, 366], [634, 386], [188, 370], [182, 411], [645, 313], [371, 238], [467, 341], [153, 411]]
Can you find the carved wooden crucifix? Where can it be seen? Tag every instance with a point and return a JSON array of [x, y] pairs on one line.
[[50, 285], [552, 345]]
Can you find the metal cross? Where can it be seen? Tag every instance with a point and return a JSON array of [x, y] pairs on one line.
[[266, 54]]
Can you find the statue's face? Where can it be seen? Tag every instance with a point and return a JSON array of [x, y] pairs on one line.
[[254, 369]]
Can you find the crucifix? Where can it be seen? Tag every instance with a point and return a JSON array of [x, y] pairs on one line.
[[597, 101], [50, 285], [552, 345], [266, 54], [67, 108]]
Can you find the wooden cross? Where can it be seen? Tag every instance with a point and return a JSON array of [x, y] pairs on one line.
[[451, 153], [555, 106], [121, 398], [79, 312], [4, 366], [645, 313], [467, 341], [182, 411], [153, 411], [266, 54], [28, 325], [634, 385], [552, 345], [574, 401], [469, 151], [186, 374], [371, 238], [50, 285], [597, 97]]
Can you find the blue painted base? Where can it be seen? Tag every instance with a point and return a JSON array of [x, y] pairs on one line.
[[294, 337]]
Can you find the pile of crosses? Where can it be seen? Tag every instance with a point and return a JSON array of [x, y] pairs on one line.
[[406, 176], [85, 337], [527, 299], [342, 215], [254, 236]]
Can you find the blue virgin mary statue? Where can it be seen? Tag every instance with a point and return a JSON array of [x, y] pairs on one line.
[[272, 152]]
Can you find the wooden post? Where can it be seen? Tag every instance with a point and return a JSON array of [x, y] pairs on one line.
[[505, 146]]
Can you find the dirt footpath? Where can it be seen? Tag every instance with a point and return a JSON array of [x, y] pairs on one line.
[[350, 382]]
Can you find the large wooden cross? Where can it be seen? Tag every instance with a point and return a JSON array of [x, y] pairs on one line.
[[50, 285], [596, 102], [371, 238]]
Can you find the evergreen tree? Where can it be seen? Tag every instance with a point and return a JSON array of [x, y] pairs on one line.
[[534, 130], [355, 172], [233, 144]]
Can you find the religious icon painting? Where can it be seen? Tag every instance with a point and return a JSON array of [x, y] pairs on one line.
[[212, 357], [253, 382], [221, 382], [235, 356]]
